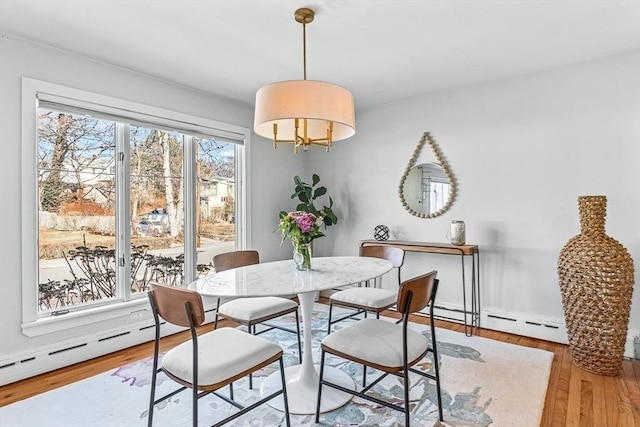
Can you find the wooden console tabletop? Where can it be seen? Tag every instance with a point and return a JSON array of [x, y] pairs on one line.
[[433, 248]]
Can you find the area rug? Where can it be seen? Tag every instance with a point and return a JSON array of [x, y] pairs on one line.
[[484, 383]]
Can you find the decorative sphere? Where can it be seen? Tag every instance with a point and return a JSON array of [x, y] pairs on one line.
[[381, 232]]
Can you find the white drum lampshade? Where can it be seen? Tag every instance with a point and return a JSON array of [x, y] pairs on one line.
[[318, 102]]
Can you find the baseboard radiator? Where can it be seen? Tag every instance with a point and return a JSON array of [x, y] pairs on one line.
[[527, 325], [16, 367], [513, 323]]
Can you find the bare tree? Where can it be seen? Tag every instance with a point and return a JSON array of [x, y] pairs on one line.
[[68, 144], [52, 185], [144, 167], [163, 139], [215, 162]]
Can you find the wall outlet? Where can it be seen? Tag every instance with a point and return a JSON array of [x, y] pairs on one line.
[[138, 315]]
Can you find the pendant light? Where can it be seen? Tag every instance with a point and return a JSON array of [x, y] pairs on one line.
[[304, 112]]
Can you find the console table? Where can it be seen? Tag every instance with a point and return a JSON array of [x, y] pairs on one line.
[[471, 315]]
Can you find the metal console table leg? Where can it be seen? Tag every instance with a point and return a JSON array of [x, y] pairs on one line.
[[472, 322]]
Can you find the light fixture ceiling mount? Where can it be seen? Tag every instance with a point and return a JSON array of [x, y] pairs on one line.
[[304, 15], [304, 112]]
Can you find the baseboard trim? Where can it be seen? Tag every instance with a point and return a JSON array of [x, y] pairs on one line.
[[548, 329], [21, 365], [528, 325]]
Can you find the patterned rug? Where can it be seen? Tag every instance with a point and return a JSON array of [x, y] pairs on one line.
[[484, 383]]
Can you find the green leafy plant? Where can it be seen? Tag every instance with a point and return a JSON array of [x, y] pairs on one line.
[[308, 195]]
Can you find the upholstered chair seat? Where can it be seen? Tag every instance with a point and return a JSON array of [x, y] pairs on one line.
[[224, 353], [365, 298], [254, 310], [378, 343]]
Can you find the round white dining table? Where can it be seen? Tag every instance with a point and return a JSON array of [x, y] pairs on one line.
[[280, 278]]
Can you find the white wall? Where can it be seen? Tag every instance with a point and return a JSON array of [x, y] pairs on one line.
[[522, 150], [18, 58]]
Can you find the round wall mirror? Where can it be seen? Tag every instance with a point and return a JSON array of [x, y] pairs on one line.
[[427, 190]]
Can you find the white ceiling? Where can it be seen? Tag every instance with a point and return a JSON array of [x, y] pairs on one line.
[[382, 50]]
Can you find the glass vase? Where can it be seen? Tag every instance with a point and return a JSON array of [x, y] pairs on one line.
[[302, 256]]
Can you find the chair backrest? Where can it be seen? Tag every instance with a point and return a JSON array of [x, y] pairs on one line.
[[421, 289], [229, 260], [394, 255], [169, 302]]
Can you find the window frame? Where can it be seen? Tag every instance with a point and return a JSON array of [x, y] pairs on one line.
[[32, 323]]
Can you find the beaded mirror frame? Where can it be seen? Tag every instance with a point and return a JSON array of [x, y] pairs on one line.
[[442, 162]]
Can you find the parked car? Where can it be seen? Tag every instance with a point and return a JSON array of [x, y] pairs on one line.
[[148, 227]]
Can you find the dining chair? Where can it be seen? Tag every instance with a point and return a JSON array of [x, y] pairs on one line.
[[390, 347], [364, 299], [209, 361], [256, 310]]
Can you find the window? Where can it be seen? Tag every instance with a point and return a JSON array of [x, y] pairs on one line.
[[122, 195], [76, 210], [438, 194]]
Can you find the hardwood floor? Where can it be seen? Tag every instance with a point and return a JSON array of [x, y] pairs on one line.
[[574, 397]]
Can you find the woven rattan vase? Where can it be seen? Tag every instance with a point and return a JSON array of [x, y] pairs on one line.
[[596, 282]]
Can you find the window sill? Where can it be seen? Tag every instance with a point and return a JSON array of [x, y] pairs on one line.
[[51, 324]]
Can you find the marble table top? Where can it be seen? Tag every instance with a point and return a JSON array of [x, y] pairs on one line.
[[280, 278]]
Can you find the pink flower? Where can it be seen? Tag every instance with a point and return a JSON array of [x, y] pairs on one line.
[[300, 227], [304, 220]]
